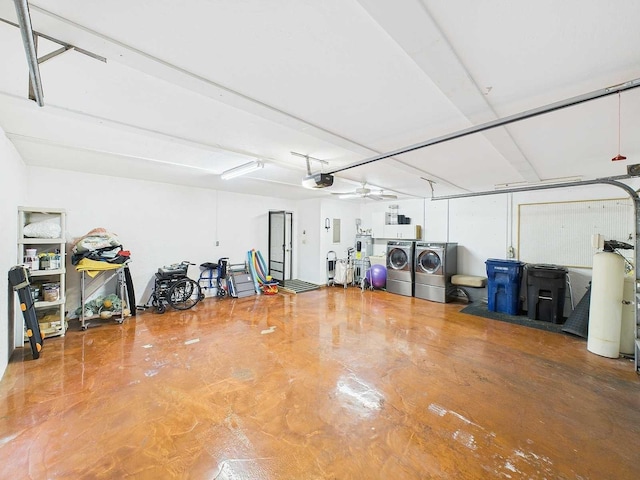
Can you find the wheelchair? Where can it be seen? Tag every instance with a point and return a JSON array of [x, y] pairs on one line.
[[173, 287]]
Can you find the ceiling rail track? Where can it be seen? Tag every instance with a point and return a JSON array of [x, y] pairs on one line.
[[552, 107]]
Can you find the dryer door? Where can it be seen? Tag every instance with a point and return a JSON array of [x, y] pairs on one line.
[[397, 259], [430, 262]]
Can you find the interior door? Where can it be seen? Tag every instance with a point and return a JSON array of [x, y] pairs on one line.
[[280, 245]]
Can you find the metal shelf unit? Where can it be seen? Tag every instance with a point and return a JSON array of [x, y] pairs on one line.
[[88, 288]]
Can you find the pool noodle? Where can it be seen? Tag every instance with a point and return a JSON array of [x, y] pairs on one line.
[[260, 270], [264, 268], [261, 276], [254, 275]]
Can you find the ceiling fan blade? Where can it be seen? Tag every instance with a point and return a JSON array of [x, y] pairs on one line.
[[381, 196], [348, 195], [364, 192]]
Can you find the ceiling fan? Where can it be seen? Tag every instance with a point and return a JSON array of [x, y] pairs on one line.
[[364, 192]]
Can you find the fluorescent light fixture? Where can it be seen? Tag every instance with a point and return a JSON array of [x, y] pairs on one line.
[[242, 170], [550, 181]]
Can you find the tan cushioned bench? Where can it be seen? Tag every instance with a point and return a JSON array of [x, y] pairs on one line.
[[469, 281]]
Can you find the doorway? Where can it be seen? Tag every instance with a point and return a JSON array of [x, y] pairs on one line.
[[280, 246]]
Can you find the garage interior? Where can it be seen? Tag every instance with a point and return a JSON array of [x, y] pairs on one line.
[[507, 129]]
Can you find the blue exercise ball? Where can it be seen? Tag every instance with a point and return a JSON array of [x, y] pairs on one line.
[[378, 276]]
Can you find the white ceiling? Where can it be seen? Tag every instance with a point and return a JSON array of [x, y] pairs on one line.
[[196, 87]]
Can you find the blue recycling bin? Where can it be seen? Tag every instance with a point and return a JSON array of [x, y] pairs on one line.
[[503, 287]]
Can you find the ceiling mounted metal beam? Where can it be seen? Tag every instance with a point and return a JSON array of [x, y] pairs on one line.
[[24, 19], [30, 41], [570, 102], [580, 183], [66, 46]]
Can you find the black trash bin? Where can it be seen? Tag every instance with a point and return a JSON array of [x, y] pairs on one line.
[[546, 289]]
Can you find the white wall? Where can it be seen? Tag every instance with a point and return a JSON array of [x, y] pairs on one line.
[[13, 182], [347, 212], [479, 226], [310, 231], [579, 277], [314, 241], [159, 223], [413, 208], [436, 223], [485, 227]]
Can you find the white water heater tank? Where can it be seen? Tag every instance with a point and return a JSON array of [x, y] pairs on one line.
[[605, 311]]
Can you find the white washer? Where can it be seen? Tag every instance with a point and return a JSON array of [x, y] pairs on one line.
[[400, 267], [435, 263]]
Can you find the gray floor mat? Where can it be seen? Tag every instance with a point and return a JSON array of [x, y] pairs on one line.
[[480, 310]]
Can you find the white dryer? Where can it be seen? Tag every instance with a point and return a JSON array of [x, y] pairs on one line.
[[400, 267], [435, 263]]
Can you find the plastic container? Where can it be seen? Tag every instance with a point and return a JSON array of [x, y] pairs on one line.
[[31, 260], [32, 263], [503, 285], [55, 261], [51, 292], [44, 261], [392, 215]]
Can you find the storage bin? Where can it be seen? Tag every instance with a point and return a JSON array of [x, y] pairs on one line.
[[378, 260], [503, 285]]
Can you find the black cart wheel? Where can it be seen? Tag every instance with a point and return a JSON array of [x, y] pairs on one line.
[[160, 308], [184, 294]]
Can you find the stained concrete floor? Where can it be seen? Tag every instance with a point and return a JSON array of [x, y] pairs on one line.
[[329, 384]]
